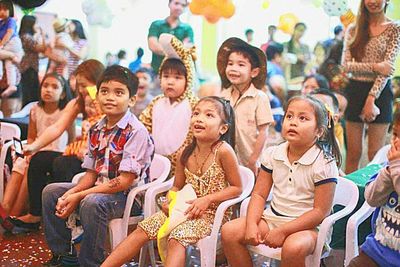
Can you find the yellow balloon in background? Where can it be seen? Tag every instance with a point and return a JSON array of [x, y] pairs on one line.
[[347, 18], [265, 4], [287, 22]]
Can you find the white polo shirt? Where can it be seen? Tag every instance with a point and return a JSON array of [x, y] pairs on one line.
[[294, 184]]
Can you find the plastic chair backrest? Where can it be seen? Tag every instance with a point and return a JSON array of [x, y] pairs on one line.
[[9, 130]]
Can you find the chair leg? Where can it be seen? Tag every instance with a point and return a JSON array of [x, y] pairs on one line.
[[151, 253]]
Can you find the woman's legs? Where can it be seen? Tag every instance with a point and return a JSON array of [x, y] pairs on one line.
[[20, 204], [233, 240], [126, 250], [176, 254], [12, 190], [354, 137], [376, 137], [297, 247]]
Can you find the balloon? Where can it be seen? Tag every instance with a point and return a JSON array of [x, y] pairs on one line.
[[29, 4], [347, 18], [335, 7], [265, 4], [212, 10], [287, 22]]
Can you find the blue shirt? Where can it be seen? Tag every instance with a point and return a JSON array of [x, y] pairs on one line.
[[6, 24], [273, 69]]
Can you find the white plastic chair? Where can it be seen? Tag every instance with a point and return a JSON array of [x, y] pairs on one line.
[[24, 111], [118, 228], [7, 132], [346, 195], [361, 214], [207, 245]]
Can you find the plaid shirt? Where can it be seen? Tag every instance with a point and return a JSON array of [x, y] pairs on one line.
[[128, 145]]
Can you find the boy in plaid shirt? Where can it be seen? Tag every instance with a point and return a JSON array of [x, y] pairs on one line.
[[120, 150]]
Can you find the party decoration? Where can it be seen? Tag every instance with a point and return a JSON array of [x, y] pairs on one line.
[[29, 4], [287, 22], [28, 11], [265, 4], [335, 7], [97, 12], [347, 18], [212, 10]]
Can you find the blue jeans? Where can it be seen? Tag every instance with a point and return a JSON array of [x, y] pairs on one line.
[[95, 211]]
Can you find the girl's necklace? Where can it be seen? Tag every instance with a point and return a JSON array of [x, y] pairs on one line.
[[199, 169]]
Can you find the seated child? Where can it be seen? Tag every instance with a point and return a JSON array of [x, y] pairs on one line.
[[210, 166], [120, 150], [382, 246], [167, 117], [143, 97], [302, 172], [242, 69], [53, 98]]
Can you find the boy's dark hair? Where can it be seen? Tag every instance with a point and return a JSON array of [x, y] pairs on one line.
[[338, 29], [324, 91], [27, 23], [273, 49], [173, 64], [65, 90], [228, 117], [246, 53], [122, 75], [7, 4], [149, 71]]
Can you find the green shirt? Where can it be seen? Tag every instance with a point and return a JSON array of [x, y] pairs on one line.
[[182, 31]]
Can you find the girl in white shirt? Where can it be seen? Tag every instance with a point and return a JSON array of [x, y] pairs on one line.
[[302, 173]]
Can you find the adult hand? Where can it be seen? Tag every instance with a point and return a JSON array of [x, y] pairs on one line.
[[370, 111], [275, 238], [198, 207], [384, 68], [253, 236]]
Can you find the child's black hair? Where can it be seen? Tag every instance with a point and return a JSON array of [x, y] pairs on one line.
[[327, 142], [228, 117], [173, 64], [246, 53], [321, 80], [7, 4], [65, 90], [273, 49], [122, 75]]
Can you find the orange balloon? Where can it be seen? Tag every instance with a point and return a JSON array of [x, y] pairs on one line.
[[196, 7], [287, 22], [228, 10], [211, 14]]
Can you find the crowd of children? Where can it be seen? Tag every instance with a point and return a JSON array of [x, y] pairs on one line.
[[206, 140]]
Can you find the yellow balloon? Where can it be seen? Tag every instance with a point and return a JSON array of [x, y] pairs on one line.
[[265, 4], [287, 22]]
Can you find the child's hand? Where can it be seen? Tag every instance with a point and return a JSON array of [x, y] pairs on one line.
[[165, 208], [253, 236], [274, 238], [198, 207], [394, 152]]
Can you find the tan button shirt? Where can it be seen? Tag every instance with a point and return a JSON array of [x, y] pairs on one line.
[[252, 110]]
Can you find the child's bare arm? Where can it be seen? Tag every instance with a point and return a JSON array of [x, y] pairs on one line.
[[6, 37], [258, 197], [258, 146], [32, 131]]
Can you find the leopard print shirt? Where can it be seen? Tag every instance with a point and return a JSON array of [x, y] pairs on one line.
[[383, 47]]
